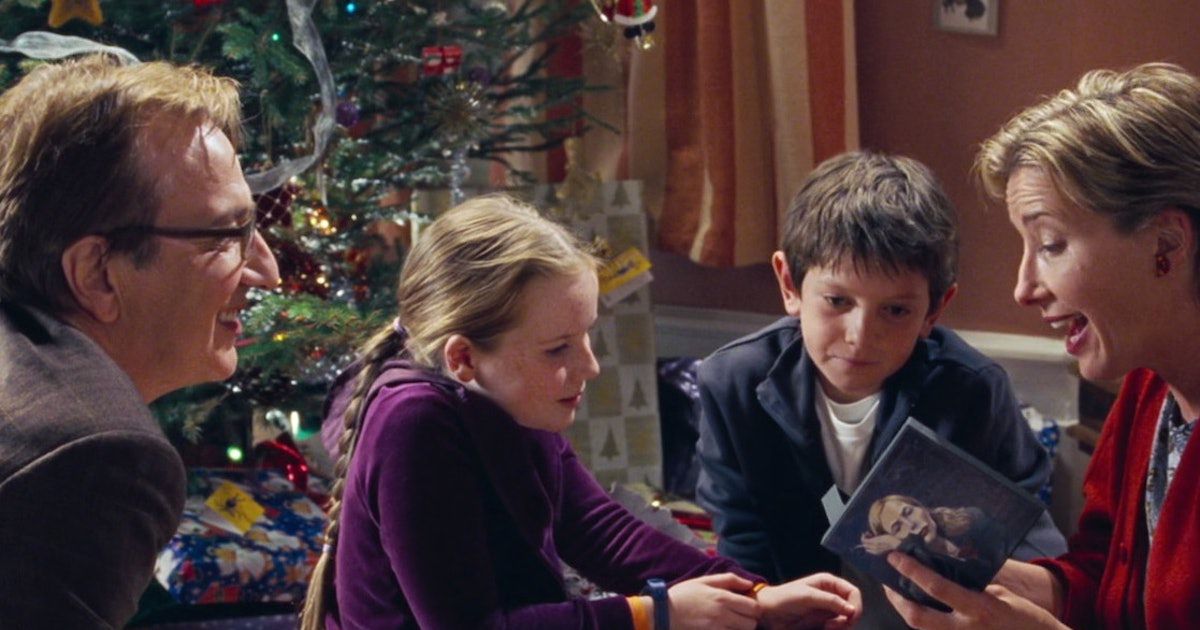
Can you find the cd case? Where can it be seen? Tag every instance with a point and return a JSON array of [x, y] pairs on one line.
[[930, 499]]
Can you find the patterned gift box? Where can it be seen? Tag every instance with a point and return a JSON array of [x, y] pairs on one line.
[[206, 563]]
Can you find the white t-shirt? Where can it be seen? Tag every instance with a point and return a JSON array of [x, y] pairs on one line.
[[846, 435]]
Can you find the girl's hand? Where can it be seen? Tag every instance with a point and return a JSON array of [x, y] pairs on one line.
[[820, 600], [996, 607], [713, 601], [880, 544]]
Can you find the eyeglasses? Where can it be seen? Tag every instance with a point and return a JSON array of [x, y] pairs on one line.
[[243, 233]]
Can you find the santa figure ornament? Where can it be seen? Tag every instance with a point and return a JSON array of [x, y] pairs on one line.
[[635, 16]]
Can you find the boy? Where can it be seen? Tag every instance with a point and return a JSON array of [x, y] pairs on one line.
[[811, 401]]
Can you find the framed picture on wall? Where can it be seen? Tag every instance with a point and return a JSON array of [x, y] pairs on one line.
[[976, 17]]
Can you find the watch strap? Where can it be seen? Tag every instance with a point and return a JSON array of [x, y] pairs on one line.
[[656, 588]]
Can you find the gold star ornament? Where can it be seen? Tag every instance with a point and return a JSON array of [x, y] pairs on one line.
[[63, 11]]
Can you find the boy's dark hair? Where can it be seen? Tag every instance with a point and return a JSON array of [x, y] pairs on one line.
[[886, 212]]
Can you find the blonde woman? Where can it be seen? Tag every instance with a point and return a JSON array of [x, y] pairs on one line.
[[1102, 183], [960, 543]]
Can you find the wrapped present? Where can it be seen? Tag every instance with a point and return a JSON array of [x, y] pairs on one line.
[[1047, 431], [227, 549]]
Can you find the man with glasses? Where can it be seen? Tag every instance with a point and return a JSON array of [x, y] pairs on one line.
[[127, 247]]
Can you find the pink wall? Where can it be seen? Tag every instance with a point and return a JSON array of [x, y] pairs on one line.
[[935, 96]]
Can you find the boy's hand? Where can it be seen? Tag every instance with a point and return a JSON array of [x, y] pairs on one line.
[[996, 607], [713, 601], [880, 544], [820, 600]]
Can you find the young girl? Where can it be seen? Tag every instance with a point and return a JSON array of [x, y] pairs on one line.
[[457, 497]]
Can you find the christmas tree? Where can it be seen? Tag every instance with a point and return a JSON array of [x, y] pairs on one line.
[[383, 98]]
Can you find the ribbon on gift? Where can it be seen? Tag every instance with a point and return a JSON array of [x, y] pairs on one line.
[[439, 61], [282, 454]]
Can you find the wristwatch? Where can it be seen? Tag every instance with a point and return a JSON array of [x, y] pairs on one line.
[[656, 588]]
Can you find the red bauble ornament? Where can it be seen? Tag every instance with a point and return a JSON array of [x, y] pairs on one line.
[[275, 206]]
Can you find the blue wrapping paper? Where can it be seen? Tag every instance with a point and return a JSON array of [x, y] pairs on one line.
[[208, 562]]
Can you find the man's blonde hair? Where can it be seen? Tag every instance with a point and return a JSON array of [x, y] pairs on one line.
[[71, 134]]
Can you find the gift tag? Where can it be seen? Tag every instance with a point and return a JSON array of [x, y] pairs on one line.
[[833, 504], [625, 273], [237, 507]]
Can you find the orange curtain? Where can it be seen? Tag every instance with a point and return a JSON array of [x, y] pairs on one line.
[[728, 114]]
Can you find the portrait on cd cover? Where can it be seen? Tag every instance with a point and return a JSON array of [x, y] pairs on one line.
[[929, 499]]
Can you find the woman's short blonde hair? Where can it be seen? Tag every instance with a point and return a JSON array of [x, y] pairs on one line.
[[1123, 144]]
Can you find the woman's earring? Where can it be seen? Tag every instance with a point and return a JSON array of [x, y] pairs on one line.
[[1162, 265]]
